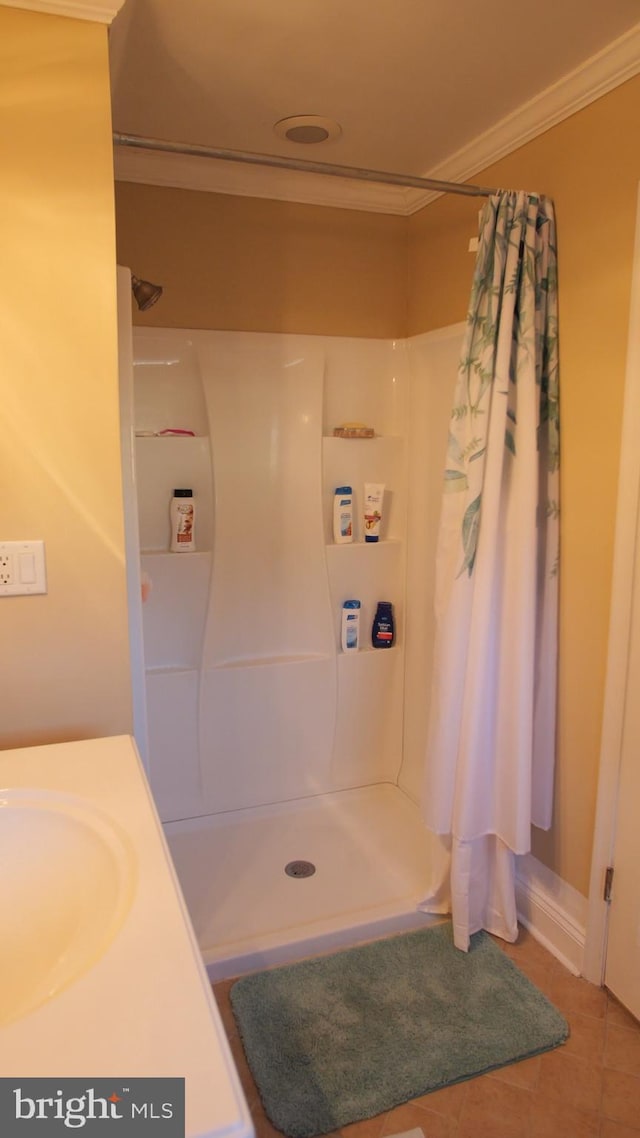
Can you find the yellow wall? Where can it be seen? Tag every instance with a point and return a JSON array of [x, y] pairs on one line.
[[265, 266], [65, 672], [590, 166]]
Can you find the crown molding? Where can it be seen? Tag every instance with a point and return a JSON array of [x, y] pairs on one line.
[[101, 11], [221, 177], [595, 77]]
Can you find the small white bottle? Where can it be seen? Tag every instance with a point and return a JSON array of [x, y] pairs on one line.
[[343, 515], [350, 626], [182, 513]]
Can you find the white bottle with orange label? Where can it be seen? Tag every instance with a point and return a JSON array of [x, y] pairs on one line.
[[182, 513]]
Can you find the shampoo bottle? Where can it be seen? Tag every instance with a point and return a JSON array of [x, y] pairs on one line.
[[343, 514], [373, 499], [182, 513], [382, 633], [350, 626]]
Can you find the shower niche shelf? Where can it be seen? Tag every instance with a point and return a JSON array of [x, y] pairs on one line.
[[353, 462], [364, 544], [169, 670], [190, 554], [162, 464], [271, 661], [364, 649], [368, 571], [374, 448], [340, 440]]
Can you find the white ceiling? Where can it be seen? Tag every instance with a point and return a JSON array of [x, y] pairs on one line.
[[411, 82]]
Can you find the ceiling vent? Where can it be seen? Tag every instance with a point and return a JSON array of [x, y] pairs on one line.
[[308, 129]]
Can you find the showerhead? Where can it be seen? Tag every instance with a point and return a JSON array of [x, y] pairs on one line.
[[145, 293]]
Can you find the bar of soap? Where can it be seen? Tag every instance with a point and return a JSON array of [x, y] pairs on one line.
[[353, 431]]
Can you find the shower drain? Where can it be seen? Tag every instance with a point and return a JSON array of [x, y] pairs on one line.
[[300, 868]]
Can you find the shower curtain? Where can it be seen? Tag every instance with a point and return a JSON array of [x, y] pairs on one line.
[[491, 740]]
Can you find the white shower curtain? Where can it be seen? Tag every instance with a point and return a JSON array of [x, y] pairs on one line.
[[491, 742]]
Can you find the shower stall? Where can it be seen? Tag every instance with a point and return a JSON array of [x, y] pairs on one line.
[[286, 772]]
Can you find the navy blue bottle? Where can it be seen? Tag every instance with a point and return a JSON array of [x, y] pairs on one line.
[[382, 633]]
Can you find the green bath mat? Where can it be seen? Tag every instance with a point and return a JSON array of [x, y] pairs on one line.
[[344, 1037]]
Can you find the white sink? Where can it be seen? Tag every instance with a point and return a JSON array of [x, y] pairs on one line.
[[100, 971], [66, 884]]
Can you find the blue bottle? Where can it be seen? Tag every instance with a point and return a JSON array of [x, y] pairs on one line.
[[383, 633]]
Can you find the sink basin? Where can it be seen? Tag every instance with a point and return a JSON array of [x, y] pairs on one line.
[[67, 882]]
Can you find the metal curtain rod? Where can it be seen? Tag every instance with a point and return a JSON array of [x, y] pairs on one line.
[[355, 172]]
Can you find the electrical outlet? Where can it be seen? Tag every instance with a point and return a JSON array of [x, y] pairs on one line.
[[22, 568], [6, 569]]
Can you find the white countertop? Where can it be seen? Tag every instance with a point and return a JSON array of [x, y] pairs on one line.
[[145, 1008]]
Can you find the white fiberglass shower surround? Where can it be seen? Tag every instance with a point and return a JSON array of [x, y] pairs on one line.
[[266, 744]]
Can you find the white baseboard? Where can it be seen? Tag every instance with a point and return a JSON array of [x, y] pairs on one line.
[[553, 911]]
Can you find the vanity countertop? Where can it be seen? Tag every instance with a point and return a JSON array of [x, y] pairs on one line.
[[144, 1007]]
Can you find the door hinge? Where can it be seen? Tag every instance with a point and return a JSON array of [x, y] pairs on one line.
[[608, 883]]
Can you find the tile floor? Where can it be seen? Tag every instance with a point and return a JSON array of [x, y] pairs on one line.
[[588, 1088]]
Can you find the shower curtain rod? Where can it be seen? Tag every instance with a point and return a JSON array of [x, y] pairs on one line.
[[354, 172]]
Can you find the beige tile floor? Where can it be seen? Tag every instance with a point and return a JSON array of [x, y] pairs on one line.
[[588, 1088]]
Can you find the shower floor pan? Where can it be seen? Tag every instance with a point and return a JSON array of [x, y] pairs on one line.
[[371, 855]]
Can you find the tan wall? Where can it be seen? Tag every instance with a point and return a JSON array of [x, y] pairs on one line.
[[590, 166], [65, 672], [265, 266]]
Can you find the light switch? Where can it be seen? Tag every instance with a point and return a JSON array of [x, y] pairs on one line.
[[22, 568], [27, 568]]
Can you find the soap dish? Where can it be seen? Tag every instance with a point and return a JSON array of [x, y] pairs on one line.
[[353, 431]]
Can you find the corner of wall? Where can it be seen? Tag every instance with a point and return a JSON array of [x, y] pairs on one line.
[[553, 912]]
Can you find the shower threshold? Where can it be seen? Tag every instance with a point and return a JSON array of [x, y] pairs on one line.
[[371, 854]]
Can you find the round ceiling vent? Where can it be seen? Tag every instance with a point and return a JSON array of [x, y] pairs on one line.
[[307, 129]]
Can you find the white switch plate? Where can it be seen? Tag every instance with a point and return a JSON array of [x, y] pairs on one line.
[[22, 568]]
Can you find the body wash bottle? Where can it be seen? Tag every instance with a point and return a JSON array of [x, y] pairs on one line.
[[383, 632], [182, 513]]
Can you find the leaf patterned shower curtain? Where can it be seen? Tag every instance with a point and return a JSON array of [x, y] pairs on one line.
[[491, 741]]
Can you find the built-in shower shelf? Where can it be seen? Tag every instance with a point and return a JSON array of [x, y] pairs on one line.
[[340, 439], [171, 670], [363, 544], [162, 464], [157, 440], [270, 661], [192, 555], [368, 649]]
